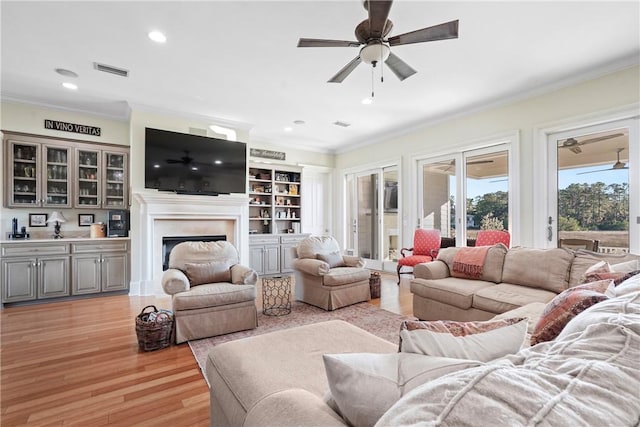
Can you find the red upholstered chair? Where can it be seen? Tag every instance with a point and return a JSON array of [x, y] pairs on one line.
[[426, 244], [491, 237]]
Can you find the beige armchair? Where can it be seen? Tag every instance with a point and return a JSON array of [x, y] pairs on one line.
[[211, 293], [327, 279]]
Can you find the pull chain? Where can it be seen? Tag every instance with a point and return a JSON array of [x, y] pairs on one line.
[[372, 79], [381, 66]]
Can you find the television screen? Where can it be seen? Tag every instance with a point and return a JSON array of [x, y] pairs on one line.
[[194, 164]]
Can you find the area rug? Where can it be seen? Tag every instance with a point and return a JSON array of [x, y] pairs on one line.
[[382, 323]]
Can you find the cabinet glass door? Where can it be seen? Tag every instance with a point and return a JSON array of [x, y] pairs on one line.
[[114, 182], [57, 179], [88, 182], [24, 182]]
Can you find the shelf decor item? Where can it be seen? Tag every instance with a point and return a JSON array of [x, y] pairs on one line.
[[85, 220], [38, 220], [57, 218]]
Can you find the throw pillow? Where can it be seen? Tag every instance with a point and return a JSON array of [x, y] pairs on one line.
[[484, 347], [334, 259], [363, 386], [597, 268], [208, 272], [458, 329], [626, 267], [566, 306]]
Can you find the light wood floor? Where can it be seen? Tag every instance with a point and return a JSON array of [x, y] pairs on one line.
[[78, 363]]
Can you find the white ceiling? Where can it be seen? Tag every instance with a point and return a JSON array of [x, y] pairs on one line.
[[236, 62]]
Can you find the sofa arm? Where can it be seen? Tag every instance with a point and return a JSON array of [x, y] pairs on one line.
[[353, 261], [292, 407], [315, 267], [242, 275], [174, 281], [431, 270]]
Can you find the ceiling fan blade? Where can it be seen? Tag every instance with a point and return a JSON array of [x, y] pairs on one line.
[[401, 69], [479, 162], [575, 149], [326, 43], [600, 138], [599, 170], [378, 14], [346, 70], [448, 30]]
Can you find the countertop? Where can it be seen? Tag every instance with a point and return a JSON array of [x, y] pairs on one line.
[[64, 240]]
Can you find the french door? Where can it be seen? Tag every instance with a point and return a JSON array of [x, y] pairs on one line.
[[461, 193], [372, 211], [591, 190]]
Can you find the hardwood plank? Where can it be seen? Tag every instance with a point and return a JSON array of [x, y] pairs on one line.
[[78, 363]]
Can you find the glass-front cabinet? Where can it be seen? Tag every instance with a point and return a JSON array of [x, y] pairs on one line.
[[88, 164], [102, 177], [38, 174], [115, 188]]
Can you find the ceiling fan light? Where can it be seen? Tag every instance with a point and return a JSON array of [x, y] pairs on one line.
[[375, 52]]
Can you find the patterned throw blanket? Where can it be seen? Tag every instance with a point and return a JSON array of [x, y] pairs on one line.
[[468, 263]]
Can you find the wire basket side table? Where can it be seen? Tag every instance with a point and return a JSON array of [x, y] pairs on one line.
[[276, 295]]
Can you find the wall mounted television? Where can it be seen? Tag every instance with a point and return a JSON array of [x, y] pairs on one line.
[[194, 164]]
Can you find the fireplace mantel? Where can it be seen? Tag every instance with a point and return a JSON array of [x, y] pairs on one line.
[[157, 214]]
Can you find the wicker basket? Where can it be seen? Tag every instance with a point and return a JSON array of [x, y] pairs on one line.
[[154, 328], [374, 284]]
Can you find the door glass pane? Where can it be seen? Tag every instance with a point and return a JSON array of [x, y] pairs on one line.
[[390, 219], [368, 216], [593, 189], [57, 182], [439, 197], [487, 189]]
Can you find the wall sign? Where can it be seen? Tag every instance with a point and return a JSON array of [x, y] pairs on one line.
[[71, 127], [267, 154]]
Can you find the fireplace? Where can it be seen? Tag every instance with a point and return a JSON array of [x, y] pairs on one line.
[[168, 242], [158, 215]]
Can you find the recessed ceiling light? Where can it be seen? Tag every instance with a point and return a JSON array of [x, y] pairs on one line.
[[66, 73], [218, 162], [299, 122], [367, 101], [157, 37], [194, 168], [70, 86], [156, 166], [288, 129]]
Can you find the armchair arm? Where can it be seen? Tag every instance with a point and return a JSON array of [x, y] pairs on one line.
[[354, 261], [242, 275], [315, 267], [402, 251], [174, 281]]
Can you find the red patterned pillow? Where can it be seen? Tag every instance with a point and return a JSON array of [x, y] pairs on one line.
[[566, 306], [455, 328]]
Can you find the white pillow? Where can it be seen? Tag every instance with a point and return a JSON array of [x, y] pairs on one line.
[[483, 347], [364, 386], [626, 267], [629, 286]]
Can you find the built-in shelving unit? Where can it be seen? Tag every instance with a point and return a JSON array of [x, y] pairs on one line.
[[275, 205]]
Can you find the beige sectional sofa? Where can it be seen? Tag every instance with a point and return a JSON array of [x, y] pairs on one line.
[[589, 375], [511, 278]]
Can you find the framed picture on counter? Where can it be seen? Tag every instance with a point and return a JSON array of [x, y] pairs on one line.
[[85, 220], [38, 220]]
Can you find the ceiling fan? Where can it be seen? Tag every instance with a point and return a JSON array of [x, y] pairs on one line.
[[616, 166], [452, 163], [186, 160], [375, 48], [574, 145]]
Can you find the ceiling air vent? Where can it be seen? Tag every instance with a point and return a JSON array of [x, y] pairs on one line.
[[111, 69], [342, 124]]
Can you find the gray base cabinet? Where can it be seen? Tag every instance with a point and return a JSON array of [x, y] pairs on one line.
[[33, 270], [270, 254]]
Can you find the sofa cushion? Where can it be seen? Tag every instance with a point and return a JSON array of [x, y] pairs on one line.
[[504, 297], [345, 275], [493, 263], [314, 245], [452, 290], [538, 268], [483, 347], [208, 272], [213, 295], [568, 305], [584, 259], [365, 385]]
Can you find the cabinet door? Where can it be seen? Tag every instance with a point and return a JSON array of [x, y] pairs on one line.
[[271, 259], [115, 180], [256, 258], [86, 275], [56, 176], [18, 279], [88, 179], [53, 277], [115, 272], [23, 168], [286, 258]]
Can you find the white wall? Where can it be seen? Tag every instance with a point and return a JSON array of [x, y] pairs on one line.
[[607, 92]]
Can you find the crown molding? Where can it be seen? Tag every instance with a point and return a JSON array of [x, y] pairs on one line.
[[14, 99]]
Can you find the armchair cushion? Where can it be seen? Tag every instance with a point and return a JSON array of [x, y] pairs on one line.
[[334, 259], [345, 275], [314, 245], [174, 281], [213, 295], [208, 272]]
